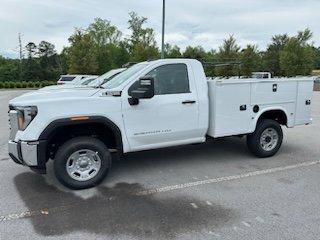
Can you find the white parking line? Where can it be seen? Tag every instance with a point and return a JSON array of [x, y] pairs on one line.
[[31, 213], [260, 219], [225, 179], [246, 224], [194, 205]]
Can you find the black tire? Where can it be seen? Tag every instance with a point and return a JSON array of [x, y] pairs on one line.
[[253, 140], [74, 145]]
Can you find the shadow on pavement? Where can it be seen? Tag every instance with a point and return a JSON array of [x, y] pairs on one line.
[[219, 150], [116, 211]]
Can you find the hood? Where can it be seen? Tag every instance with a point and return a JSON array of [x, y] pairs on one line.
[[32, 98], [59, 87]]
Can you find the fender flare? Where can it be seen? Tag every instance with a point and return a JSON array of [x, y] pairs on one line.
[[268, 109], [48, 132]]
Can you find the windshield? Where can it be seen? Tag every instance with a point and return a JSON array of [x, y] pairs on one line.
[[67, 79], [87, 81], [100, 80], [122, 77]]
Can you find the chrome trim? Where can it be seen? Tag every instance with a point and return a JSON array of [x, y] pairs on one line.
[[25, 153], [13, 149], [13, 123], [29, 154]]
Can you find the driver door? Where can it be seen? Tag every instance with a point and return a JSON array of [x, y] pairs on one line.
[[170, 117]]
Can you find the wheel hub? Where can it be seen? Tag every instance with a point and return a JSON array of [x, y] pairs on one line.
[[269, 139], [83, 162], [83, 165]]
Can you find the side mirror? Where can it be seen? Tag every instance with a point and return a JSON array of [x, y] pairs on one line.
[[143, 89]]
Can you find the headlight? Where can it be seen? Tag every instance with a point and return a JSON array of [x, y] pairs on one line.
[[25, 116]]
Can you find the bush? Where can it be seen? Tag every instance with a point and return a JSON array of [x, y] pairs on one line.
[[30, 85], [44, 83], [37, 84], [12, 85], [24, 84], [18, 84]]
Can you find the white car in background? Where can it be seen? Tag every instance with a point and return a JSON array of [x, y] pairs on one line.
[[79, 82], [72, 79], [261, 75], [92, 81]]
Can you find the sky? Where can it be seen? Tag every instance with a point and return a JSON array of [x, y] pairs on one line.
[[188, 22]]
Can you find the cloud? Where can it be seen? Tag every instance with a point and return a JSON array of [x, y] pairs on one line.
[[188, 22]]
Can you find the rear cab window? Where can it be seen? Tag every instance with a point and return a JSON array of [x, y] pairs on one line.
[[67, 79]]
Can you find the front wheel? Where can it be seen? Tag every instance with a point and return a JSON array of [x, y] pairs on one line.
[[82, 162], [266, 140]]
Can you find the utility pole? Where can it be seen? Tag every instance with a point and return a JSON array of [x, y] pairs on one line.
[[20, 47], [163, 27], [20, 56]]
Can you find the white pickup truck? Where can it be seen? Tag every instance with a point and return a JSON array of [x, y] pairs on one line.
[[151, 105]]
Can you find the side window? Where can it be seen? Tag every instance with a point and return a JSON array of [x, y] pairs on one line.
[[170, 79]]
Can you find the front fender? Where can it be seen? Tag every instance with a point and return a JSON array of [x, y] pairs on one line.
[[49, 131]]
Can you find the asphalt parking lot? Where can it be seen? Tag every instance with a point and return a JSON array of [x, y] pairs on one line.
[[217, 190]]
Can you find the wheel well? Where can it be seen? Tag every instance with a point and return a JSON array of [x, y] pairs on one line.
[[276, 115], [101, 131]]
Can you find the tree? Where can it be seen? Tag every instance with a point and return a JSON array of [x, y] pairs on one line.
[[46, 49], [31, 68], [317, 57], [9, 69], [31, 49], [304, 36], [272, 56], [172, 51], [142, 43], [297, 57], [103, 32], [110, 51], [82, 59], [195, 53], [48, 60], [250, 60], [229, 51], [64, 60]]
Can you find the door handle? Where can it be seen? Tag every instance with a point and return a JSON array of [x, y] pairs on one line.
[[243, 108], [188, 102]]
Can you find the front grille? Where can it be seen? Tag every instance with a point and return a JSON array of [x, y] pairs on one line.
[[13, 123]]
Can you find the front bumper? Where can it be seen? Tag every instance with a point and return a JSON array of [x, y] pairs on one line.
[[31, 154]]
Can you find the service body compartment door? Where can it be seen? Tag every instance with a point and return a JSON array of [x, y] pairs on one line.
[[304, 98], [230, 110], [273, 92]]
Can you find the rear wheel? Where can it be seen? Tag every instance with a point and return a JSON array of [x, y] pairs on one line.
[[82, 162], [266, 140]]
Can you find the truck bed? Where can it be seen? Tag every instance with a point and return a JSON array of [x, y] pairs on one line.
[[232, 102]]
